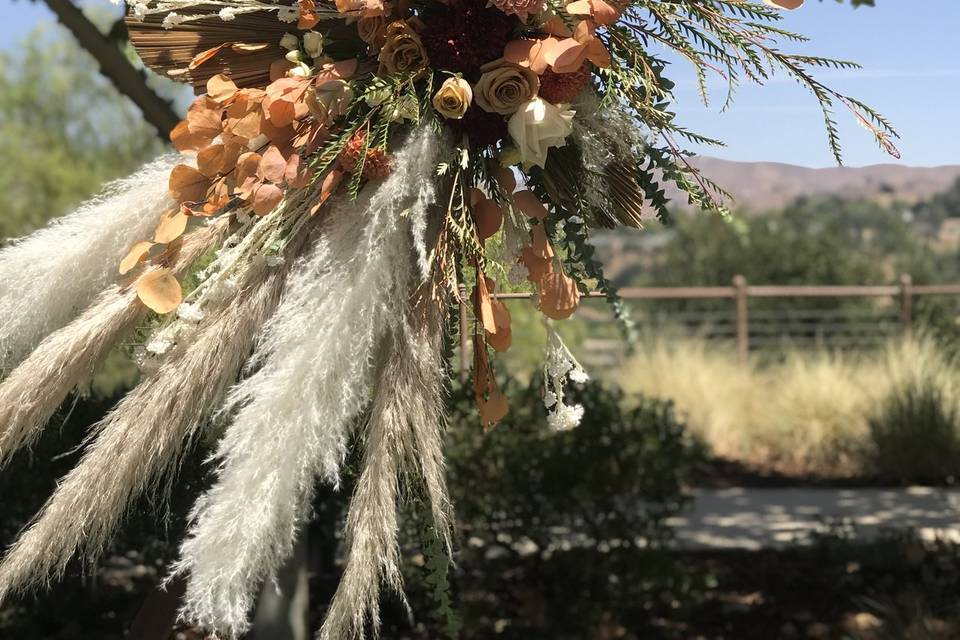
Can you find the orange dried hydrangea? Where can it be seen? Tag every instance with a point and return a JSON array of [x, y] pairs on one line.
[[376, 166]]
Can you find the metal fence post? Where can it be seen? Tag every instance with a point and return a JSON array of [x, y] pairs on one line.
[[743, 318], [906, 305], [464, 335]]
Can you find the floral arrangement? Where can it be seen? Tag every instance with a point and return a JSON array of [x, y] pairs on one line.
[[350, 169]]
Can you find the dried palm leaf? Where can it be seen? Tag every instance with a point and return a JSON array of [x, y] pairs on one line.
[[172, 51]]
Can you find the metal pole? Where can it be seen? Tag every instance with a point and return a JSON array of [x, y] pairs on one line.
[[743, 318], [906, 305], [114, 64], [464, 335]]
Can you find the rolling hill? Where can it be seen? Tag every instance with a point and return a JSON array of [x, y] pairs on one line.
[[759, 186]]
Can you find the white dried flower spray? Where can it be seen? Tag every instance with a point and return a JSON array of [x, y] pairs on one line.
[[559, 366], [315, 375]]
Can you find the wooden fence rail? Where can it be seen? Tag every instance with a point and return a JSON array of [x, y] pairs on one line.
[[740, 292]]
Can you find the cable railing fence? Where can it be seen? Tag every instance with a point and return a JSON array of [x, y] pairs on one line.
[[733, 313]]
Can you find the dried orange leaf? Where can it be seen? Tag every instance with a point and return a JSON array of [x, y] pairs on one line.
[[184, 139], [340, 70], [278, 135], [488, 216], [282, 112], [559, 296], [493, 409], [526, 53], [540, 242], [528, 203], [159, 290], [503, 338], [205, 123], [219, 198], [247, 165], [485, 305], [330, 183], [245, 114], [207, 55], [566, 56], [221, 88], [476, 195], [210, 160], [172, 225], [135, 256], [298, 174], [501, 341], [308, 14], [273, 165], [505, 178], [187, 184], [266, 198], [537, 266]]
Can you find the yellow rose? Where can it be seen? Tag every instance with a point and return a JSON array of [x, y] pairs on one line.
[[402, 51], [453, 99], [505, 86]]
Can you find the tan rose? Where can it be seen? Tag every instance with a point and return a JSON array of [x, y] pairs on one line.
[[329, 100], [373, 31], [402, 51], [453, 99], [505, 86]]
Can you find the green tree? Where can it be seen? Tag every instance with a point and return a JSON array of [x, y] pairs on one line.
[[64, 130], [813, 241]]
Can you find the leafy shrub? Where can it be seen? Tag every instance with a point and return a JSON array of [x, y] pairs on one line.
[[616, 476], [915, 435], [563, 535]]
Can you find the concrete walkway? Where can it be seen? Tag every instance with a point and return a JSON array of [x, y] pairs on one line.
[[760, 518]]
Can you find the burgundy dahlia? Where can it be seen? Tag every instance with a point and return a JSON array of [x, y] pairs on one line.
[[465, 35], [481, 127]]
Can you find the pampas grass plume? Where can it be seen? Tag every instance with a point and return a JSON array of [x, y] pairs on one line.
[[316, 371], [140, 439], [50, 276], [66, 358]]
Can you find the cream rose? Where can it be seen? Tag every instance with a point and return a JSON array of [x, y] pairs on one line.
[[329, 100], [402, 51], [537, 126], [453, 99], [505, 86]]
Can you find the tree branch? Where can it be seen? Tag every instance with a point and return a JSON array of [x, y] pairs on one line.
[[128, 80]]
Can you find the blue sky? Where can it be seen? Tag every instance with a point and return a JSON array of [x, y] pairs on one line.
[[911, 73]]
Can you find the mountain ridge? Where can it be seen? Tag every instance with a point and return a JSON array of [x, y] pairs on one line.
[[762, 185]]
